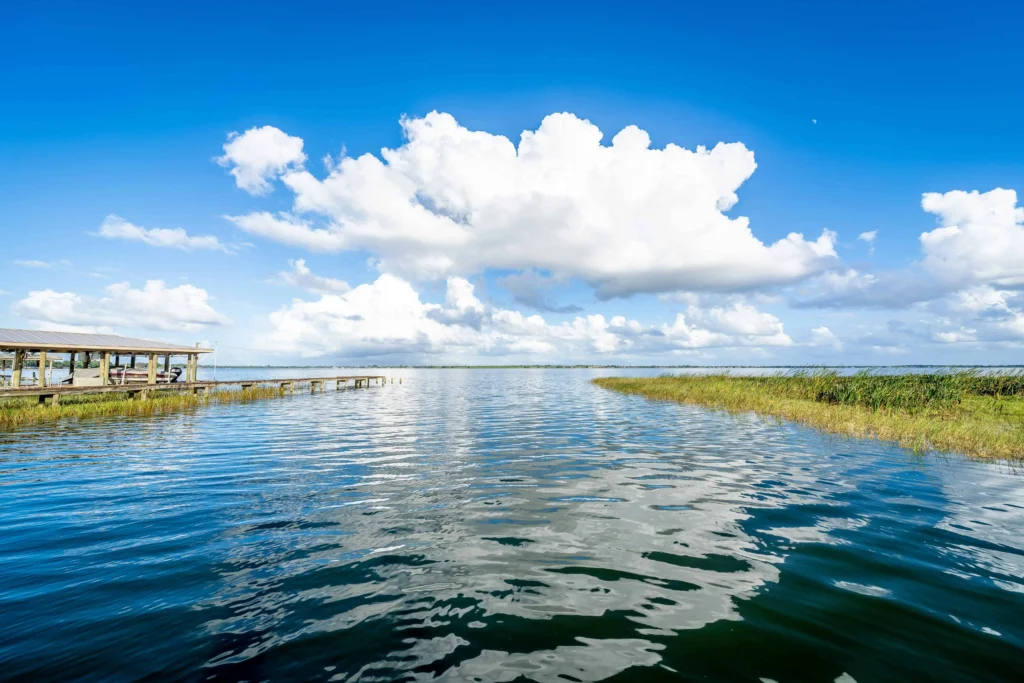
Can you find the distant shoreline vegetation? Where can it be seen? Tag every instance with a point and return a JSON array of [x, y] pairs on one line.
[[974, 413]]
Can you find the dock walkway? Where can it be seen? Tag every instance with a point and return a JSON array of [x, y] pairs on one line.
[[140, 390]]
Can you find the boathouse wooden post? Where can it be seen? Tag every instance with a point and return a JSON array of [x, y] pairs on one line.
[[19, 360], [71, 366], [105, 368], [133, 361], [151, 367], [41, 380], [167, 368]]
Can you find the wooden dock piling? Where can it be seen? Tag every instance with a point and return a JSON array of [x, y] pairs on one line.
[[19, 359]]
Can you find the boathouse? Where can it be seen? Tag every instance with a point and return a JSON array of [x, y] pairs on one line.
[[120, 359]]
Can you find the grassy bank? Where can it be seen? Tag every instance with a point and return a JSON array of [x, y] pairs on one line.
[[19, 412], [980, 415]]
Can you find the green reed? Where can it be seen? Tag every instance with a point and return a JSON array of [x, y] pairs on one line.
[[907, 392], [19, 412]]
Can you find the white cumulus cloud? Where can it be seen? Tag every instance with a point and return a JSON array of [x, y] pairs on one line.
[[115, 227], [259, 155], [981, 238], [981, 313], [155, 306], [744, 319], [623, 217]]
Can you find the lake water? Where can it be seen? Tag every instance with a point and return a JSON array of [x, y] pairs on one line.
[[497, 526]]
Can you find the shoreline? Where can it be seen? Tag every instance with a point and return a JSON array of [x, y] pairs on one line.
[[978, 426], [23, 412]]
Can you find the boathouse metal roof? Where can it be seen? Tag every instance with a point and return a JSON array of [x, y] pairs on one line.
[[41, 340]]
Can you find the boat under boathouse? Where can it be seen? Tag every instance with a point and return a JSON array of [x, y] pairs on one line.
[[120, 360]]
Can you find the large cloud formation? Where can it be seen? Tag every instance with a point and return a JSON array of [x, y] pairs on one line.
[[388, 316], [624, 217]]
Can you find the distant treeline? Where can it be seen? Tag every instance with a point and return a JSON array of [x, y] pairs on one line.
[[613, 367]]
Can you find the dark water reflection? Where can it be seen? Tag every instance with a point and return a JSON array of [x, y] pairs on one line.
[[500, 526]]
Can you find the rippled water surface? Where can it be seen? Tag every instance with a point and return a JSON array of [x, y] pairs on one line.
[[499, 526]]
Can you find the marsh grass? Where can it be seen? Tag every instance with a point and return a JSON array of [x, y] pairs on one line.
[[19, 412], [980, 415]]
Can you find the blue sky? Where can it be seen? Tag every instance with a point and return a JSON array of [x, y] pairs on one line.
[[852, 112]]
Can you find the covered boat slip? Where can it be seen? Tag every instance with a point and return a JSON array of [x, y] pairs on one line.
[[142, 361], [147, 366]]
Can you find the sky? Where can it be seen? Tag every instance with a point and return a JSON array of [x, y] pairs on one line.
[[487, 183]]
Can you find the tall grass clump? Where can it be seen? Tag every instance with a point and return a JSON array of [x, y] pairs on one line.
[[909, 393], [976, 413]]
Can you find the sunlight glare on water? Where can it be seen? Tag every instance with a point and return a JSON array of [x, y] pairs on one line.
[[499, 525]]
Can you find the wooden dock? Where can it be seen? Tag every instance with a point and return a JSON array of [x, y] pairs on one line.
[[141, 391]]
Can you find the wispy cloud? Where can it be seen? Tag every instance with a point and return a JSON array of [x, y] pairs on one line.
[[301, 276], [869, 237], [31, 263], [115, 227]]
